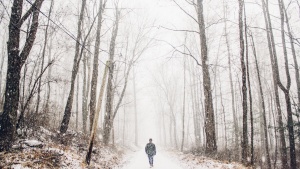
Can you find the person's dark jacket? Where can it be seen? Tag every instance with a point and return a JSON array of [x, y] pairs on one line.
[[150, 149]]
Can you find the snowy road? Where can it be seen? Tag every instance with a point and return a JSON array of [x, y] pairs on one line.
[[139, 160], [169, 160]]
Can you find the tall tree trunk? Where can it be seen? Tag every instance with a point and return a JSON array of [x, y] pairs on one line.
[[84, 98], [286, 90], [295, 63], [261, 94], [216, 94], [49, 73], [96, 119], [275, 130], [294, 57], [77, 103], [235, 120], [85, 88], [224, 116], [194, 102], [249, 90], [23, 95], [1, 73], [124, 123], [123, 93], [244, 86], [183, 104], [211, 145], [25, 71], [136, 135], [164, 128], [95, 65], [88, 88], [23, 107], [272, 51], [173, 118], [43, 58], [108, 118], [67, 113], [170, 132], [16, 60]]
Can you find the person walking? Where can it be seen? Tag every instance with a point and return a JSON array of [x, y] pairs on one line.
[[150, 150]]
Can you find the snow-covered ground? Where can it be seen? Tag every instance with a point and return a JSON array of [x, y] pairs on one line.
[[172, 160], [42, 151], [140, 160]]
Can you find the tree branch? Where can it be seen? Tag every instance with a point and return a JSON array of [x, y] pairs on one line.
[[184, 53], [32, 33], [179, 30], [32, 93], [28, 13], [186, 12]]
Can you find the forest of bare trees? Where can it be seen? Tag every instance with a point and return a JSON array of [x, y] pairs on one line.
[[213, 78]]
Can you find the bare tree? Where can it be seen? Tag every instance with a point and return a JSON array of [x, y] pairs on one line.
[[261, 94], [69, 104], [286, 89], [95, 122], [183, 104], [224, 117], [211, 145], [49, 74], [108, 118], [43, 57], [244, 85], [169, 90], [16, 60], [249, 90], [95, 65], [84, 96], [77, 103], [235, 120], [272, 52], [86, 84], [30, 95], [291, 38]]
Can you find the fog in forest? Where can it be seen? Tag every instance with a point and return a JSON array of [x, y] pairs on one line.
[[218, 79]]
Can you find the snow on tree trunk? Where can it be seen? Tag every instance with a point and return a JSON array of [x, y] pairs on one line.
[[272, 53], [16, 60], [67, 113], [211, 146], [244, 86], [94, 82], [108, 118], [95, 122], [286, 91]]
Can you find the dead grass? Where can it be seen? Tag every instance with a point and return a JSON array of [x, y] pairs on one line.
[[32, 158], [53, 154]]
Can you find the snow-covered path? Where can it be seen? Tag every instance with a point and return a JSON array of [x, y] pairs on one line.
[[169, 160], [139, 160]]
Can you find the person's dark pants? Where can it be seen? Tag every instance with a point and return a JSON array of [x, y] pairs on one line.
[[150, 157]]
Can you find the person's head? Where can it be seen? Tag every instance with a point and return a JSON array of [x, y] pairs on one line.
[[150, 140]]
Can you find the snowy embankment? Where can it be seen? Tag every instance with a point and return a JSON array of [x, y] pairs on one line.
[[174, 160], [200, 162], [43, 150]]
